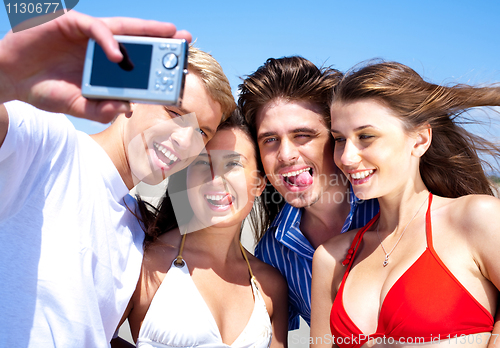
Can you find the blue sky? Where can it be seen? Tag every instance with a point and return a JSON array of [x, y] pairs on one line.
[[445, 41]]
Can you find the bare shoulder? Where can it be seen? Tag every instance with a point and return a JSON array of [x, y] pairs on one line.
[[475, 217], [335, 249], [477, 203], [474, 213], [273, 288], [160, 254], [274, 291], [271, 281]]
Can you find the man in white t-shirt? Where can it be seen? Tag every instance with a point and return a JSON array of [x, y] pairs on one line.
[[71, 244]]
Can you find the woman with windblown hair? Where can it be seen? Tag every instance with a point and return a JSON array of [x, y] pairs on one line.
[[425, 269]]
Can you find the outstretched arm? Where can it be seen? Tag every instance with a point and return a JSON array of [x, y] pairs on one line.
[[43, 65]]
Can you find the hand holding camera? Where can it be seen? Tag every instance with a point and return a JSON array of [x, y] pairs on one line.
[[52, 57], [152, 71]]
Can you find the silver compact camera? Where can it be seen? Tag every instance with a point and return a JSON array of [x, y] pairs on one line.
[[152, 71]]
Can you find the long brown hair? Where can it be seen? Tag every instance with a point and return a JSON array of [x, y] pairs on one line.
[[451, 167]]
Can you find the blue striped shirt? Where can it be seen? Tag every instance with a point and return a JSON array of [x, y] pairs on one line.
[[287, 249]]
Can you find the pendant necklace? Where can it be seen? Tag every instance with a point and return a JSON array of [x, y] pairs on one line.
[[387, 254]]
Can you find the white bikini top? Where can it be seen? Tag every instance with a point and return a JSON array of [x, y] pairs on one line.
[[179, 317]]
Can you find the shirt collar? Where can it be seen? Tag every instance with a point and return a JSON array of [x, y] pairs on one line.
[[287, 225], [288, 233], [354, 202]]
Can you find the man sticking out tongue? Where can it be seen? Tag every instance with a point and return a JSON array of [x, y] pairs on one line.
[[286, 102]]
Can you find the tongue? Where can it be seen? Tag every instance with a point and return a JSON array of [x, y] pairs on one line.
[[224, 201], [303, 179]]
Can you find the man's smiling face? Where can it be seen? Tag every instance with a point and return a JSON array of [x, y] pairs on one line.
[[161, 140], [296, 150]]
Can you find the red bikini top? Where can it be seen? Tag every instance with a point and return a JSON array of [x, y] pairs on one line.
[[427, 303]]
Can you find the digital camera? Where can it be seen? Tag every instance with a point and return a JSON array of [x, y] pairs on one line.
[[152, 71]]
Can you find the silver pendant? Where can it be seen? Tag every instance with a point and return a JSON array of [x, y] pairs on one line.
[[386, 261]]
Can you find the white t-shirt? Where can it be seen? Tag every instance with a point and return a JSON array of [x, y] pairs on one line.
[[70, 250]]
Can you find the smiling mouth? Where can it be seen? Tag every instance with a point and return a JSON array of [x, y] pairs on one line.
[[168, 158], [299, 178], [219, 200], [361, 175]]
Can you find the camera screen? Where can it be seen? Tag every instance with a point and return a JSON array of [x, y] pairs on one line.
[[108, 74]]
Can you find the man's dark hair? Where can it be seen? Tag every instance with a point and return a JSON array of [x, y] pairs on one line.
[[289, 79]]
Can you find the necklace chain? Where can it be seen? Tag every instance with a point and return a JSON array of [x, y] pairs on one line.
[[387, 254]]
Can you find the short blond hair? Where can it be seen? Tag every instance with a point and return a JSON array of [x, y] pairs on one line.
[[213, 78]]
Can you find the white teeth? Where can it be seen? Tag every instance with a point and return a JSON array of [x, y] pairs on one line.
[[361, 175], [215, 197], [212, 199], [164, 151], [297, 172]]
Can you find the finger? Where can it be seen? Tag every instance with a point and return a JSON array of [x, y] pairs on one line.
[[89, 27], [102, 30], [107, 110], [139, 27], [183, 34], [103, 111], [102, 34]]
